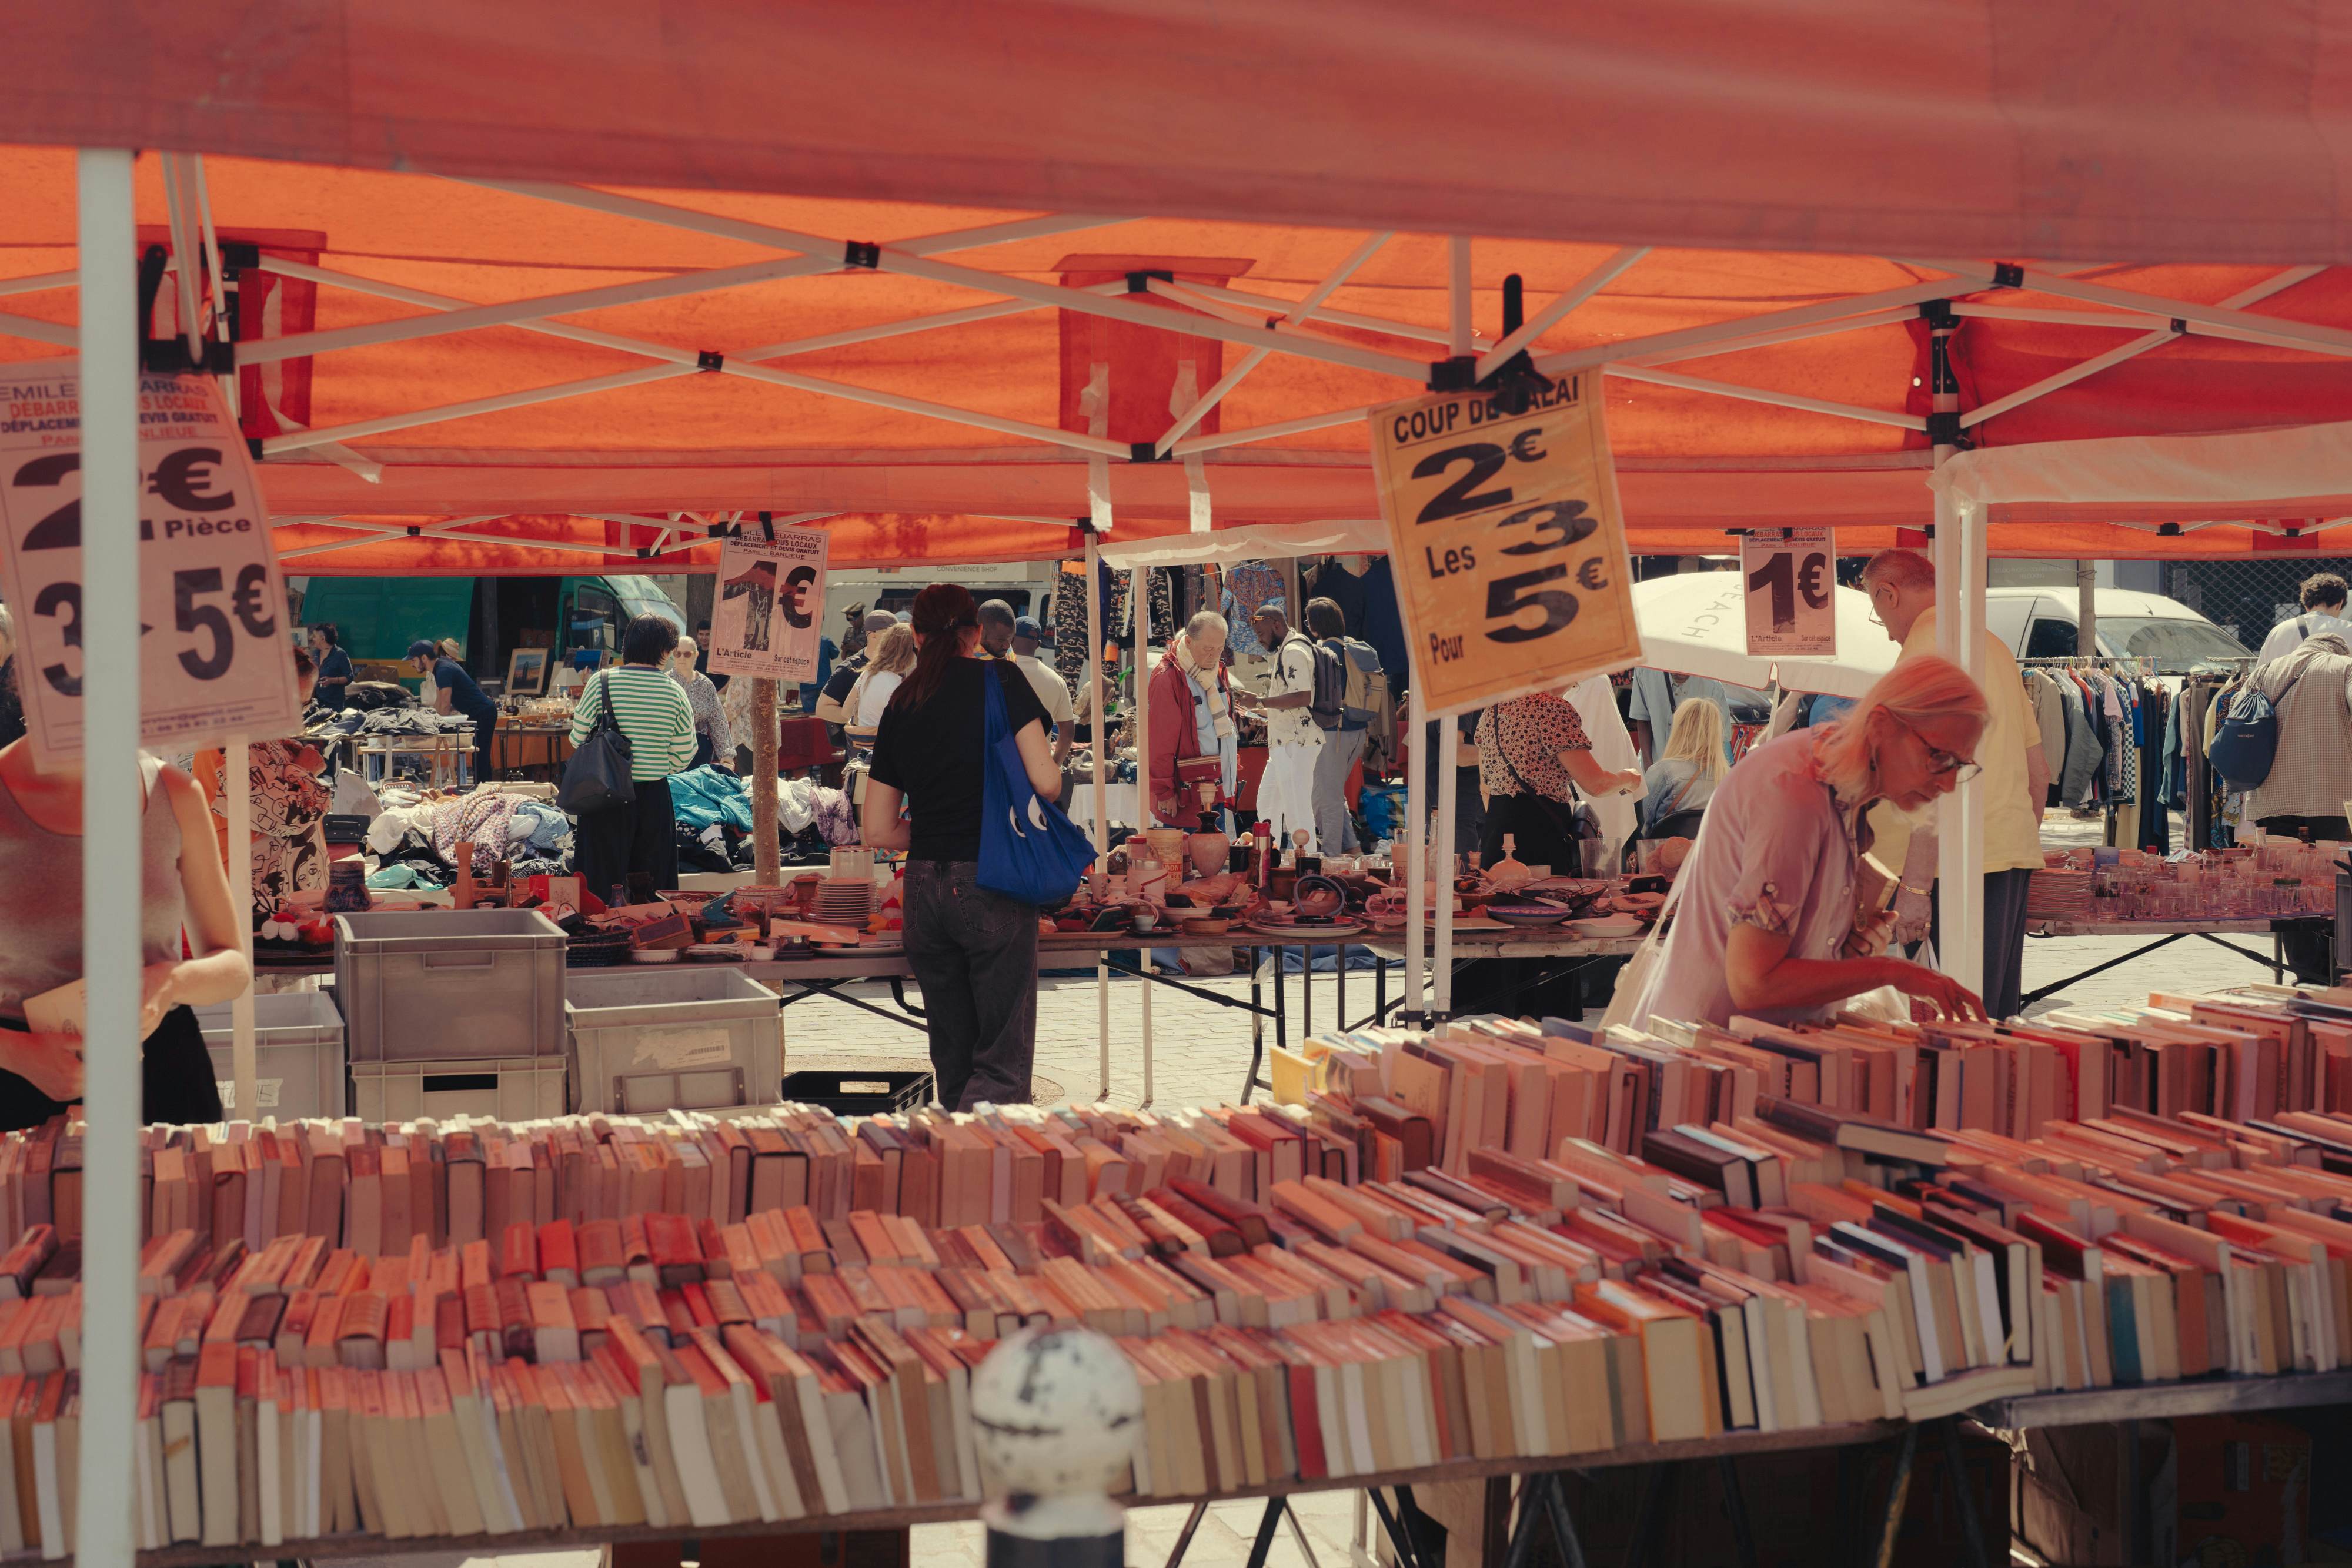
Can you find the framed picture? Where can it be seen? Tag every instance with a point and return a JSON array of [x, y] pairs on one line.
[[527, 672]]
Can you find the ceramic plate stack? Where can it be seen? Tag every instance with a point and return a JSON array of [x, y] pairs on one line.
[[2058, 895], [844, 901]]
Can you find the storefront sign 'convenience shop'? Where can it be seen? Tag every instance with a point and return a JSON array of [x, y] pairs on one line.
[[214, 657], [1507, 542]]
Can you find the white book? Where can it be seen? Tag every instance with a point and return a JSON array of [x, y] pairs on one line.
[[267, 1453], [697, 1469], [45, 1481], [825, 1455]]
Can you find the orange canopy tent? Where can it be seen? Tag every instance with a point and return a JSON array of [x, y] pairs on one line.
[[457, 377]]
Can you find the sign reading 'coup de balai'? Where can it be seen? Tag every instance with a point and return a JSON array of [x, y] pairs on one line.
[[1506, 541]]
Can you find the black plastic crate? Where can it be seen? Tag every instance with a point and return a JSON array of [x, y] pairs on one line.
[[849, 1092]]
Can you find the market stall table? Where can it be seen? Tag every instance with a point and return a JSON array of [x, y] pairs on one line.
[[520, 746], [2167, 932]]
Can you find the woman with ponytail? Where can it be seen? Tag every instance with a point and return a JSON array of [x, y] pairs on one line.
[[1764, 923], [974, 952]]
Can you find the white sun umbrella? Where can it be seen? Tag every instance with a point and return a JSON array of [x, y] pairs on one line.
[[1696, 625]]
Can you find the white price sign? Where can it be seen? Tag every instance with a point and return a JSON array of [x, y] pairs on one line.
[[1791, 578], [213, 661], [770, 605]]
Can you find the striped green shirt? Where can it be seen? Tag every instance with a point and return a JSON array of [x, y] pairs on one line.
[[652, 711]]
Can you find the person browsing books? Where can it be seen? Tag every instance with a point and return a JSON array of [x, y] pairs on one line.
[[183, 891], [651, 709], [1764, 919]]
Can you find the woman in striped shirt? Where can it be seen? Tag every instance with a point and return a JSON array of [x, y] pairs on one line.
[[651, 709]]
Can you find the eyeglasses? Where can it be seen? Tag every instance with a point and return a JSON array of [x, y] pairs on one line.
[[1942, 764]]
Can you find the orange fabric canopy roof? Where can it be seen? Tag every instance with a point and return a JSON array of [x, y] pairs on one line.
[[2166, 130], [925, 399]]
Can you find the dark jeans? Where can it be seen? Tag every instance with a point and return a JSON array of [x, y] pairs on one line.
[[1513, 986], [2309, 949], [2004, 939], [485, 726], [640, 837], [974, 953]]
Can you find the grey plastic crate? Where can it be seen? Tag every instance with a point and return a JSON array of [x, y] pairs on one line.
[[297, 1040], [515, 1088], [444, 985], [690, 1037]]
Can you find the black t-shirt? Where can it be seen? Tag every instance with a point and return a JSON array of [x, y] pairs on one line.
[[465, 696], [844, 676], [931, 754]]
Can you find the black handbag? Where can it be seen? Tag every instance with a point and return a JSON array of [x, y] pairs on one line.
[[597, 778]]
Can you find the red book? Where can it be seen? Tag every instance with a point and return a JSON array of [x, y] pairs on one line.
[[713, 1246], [670, 1243], [698, 1305], [559, 1254], [598, 1245], [519, 1253]]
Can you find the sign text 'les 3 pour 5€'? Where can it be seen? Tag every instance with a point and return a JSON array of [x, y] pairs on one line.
[[215, 660], [1507, 542]]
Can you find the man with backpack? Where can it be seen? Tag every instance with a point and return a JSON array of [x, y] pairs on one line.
[[1347, 673], [2322, 598], [2304, 791], [1286, 790]]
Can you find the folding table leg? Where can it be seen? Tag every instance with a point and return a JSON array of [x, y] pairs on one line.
[[1392, 1522], [1563, 1529], [1650, 1523], [1896, 1496], [1971, 1528], [1734, 1502], [1265, 1524], [1184, 1536]]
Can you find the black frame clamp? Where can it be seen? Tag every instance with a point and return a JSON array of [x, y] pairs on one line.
[[710, 360], [863, 253], [1139, 280], [170, 356]]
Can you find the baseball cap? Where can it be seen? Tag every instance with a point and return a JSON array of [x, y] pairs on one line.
[[420, 649], [1026, 626]]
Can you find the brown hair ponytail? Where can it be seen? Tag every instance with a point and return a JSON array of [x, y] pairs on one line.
[[942, 612]]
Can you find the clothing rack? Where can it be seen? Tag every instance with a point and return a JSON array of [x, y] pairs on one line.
[[2142, 665]]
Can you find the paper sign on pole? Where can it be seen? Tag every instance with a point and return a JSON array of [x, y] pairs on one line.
[[215, 662], [1507, 542], [1791, 578], [770, 606]]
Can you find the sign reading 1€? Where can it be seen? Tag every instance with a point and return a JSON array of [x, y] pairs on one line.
[[1507, 542]]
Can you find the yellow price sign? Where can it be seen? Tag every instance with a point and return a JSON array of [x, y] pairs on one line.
[[1507, 542]]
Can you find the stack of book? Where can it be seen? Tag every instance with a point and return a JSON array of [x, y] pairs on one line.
[[432, 1332]]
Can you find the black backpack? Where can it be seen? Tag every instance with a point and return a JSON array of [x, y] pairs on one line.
[[1330, 704]]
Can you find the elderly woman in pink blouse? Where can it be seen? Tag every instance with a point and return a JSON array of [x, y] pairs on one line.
[[1764, 923]]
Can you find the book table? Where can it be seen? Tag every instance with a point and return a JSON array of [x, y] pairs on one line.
[[2167, 932]]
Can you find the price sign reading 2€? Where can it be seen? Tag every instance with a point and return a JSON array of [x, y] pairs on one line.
[[215, 660], [1506, 541]]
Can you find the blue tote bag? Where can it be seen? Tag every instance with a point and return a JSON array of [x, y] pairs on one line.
[[1029, 848]]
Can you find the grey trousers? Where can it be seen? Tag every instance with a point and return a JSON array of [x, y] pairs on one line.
[[974, 953], [1335, 828], [2004, 939]]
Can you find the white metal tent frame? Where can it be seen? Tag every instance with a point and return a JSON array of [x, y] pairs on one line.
[[1264, 323]]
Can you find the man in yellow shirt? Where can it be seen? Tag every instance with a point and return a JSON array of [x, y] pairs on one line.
[[2016, 784]]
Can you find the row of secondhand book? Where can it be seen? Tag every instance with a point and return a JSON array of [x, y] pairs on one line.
[[2251, 1055]]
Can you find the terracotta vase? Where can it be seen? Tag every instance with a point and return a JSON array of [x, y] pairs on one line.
[[1207, 853]]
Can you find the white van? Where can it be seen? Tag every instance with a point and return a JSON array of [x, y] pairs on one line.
[[2039, 623]]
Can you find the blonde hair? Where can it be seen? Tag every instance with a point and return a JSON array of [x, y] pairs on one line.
[[891, 653], [1697, 739], [1919, 690]]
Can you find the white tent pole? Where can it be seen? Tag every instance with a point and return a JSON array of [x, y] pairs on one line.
[[2228, 321], [236, 768], [39, 331], [1415, 833], [1141, 625], [1978, 276], [1535, 326], [1759, 394], [1457, 293], [2118, 355], [1325, 313], [1959, 637], [1102, 808], [111, 792], [41, 281], [1449, 784]]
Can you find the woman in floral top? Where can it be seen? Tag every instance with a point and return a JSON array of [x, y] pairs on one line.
[[1531, 750], [291, 799], [713, 744]]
